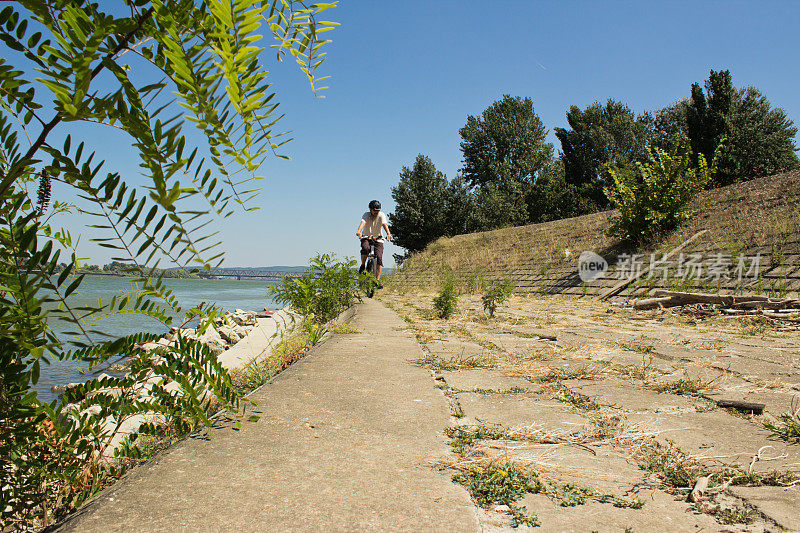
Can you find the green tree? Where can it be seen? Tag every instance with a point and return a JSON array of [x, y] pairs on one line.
[[139, 67], [600, 135], [428, 206], [655, 198], [759, 140], [552, 198], [668, 122], [421, 199], [461, 208], [504, 152], [502, 202], [707, 113]]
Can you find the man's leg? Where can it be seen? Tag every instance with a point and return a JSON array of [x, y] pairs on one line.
[[364, 254], [379, 259]]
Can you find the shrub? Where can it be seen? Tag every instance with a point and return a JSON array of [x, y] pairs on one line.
[[497, 293], [445, 303], [655, 196], [328, 287]]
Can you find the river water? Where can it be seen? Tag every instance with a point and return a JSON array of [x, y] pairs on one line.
[[250, 295]]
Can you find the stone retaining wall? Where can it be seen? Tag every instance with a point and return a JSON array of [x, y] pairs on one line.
[[756, 219]]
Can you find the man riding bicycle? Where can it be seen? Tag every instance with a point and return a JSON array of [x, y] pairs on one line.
[[371, 225]]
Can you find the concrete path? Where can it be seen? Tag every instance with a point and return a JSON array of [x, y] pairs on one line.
[[344, 443]]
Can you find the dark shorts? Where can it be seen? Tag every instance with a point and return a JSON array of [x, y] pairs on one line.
[[378, 249]]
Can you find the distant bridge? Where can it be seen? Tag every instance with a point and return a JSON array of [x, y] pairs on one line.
[[242, 273]]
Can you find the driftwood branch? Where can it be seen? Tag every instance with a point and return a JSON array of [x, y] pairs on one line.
[[664, 298]]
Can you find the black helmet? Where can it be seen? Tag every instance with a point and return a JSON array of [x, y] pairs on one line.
[[375, 204]]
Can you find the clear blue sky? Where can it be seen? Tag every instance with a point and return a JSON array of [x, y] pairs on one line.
[[405, 75]]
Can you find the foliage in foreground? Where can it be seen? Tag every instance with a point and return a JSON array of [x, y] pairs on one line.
[[132, 71], [656, 197], [328, 287]]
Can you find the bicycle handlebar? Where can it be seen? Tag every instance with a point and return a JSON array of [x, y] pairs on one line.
[[373, 237]]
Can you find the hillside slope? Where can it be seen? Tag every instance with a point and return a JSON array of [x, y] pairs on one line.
[[756, 223]]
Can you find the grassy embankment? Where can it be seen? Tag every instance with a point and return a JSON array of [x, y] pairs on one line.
[[756, 217]]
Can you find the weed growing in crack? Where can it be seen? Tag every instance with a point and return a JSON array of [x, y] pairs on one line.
[[637, 346], [446, 303], [616, 501], [577, 400], [569, 495], [788, 426], [728, 515], [462, 437], [774, 478], [756, 326], [641, 372], [504, 483], [501, 483], [684, 386], [560, 374], [676, 468], [434, 362], [520, 516], [606, 427]]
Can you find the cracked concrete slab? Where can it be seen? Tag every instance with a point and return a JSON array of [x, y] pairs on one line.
[[779, 504], [520, 410]]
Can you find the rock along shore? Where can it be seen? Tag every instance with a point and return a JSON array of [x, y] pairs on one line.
[[237, 338]]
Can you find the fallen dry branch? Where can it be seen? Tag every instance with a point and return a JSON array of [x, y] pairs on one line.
[[783, 313], [664, 298], [748, 407]]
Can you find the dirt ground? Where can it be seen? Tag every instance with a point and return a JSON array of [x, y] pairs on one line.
[[578, 415]]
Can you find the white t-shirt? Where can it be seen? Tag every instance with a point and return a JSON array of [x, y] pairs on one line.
[[374, 224]]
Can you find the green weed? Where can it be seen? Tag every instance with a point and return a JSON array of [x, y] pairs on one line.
[[463, 437], [434, 362], [328, 287], [637, 346], [577, 400], [684, 386], [497, 293], [502, 483], [676, 468], [446, 303], [521, 516], [788, 426], [559, 374]]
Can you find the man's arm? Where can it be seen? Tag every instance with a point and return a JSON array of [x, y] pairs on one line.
[[360, 227], [388, 233]]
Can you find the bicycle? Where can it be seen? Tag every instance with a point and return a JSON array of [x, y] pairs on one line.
[[371, 268]]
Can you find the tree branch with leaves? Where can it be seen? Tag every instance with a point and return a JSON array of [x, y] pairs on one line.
[[145, 68]]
